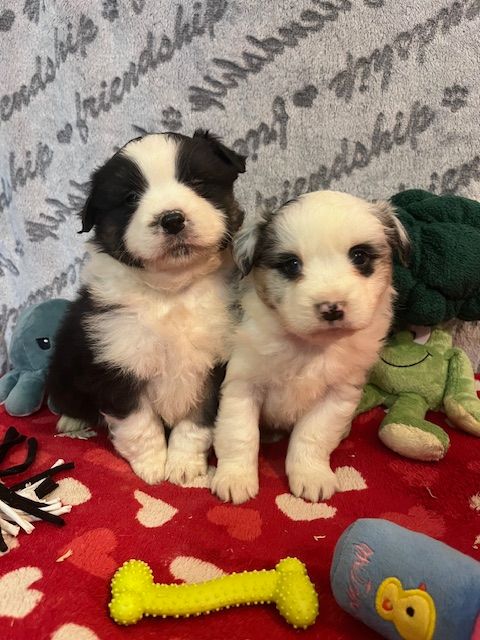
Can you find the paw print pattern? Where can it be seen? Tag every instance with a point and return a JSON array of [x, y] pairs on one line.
[[455, 97], [305, 97], [172, 119], [110, 10]]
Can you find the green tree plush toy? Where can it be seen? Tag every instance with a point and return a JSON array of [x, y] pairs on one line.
[[410, 378]]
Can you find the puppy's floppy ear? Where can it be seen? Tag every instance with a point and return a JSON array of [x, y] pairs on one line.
[[89, 212], [245, 244], [395, 231], [87, 215], [229, 156]]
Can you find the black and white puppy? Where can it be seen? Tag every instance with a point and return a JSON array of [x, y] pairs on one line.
[[317, 305], [144, 343]]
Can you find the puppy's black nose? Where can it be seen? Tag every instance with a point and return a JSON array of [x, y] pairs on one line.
[[173, 222], [330, 311]]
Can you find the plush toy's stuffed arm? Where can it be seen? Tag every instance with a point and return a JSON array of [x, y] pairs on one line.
[[372, 397], [7, 383], [27, 395], [460, 401]]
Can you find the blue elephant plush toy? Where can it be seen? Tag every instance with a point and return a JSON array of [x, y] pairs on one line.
[[22, 389]]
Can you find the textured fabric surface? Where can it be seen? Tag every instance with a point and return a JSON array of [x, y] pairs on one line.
[[54, 584], [442, 280], [367, 96]]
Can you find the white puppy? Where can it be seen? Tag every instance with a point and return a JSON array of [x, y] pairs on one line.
[[316, 307]]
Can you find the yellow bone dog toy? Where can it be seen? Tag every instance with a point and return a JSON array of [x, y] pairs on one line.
[[134, 593]]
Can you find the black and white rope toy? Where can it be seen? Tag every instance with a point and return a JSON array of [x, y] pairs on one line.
[[24, 502]]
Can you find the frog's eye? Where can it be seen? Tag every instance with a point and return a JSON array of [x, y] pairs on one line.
[[421, 335], [43, 343]]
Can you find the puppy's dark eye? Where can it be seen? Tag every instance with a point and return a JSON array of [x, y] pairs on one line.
[[359, 256], [290, 266], [43, 343], [363, 257], [132, 197]]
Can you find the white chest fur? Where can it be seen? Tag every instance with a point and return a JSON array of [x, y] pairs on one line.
[[291, 376], [169, 338]]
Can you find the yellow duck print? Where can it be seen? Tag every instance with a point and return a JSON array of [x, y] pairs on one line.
[[412, 611]]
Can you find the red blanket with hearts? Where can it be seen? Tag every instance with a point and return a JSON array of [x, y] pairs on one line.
[[54, 583]]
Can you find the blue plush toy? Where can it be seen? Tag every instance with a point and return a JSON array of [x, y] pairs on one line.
[[22, 389], [406, 585]]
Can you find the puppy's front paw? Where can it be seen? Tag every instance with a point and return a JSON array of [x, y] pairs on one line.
[[314, 484], [184, 468], [235, 483], [150, 467], [70, 425]]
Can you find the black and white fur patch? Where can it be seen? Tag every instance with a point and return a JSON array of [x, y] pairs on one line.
[[141, 344]]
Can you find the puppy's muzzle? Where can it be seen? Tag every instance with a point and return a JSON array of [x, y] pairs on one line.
[[172, 222], [330, 311]]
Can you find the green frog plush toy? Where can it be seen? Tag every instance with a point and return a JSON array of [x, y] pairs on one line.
[[417, 374]]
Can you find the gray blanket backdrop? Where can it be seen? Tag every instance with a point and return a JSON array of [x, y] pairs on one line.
[[367, 96]]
